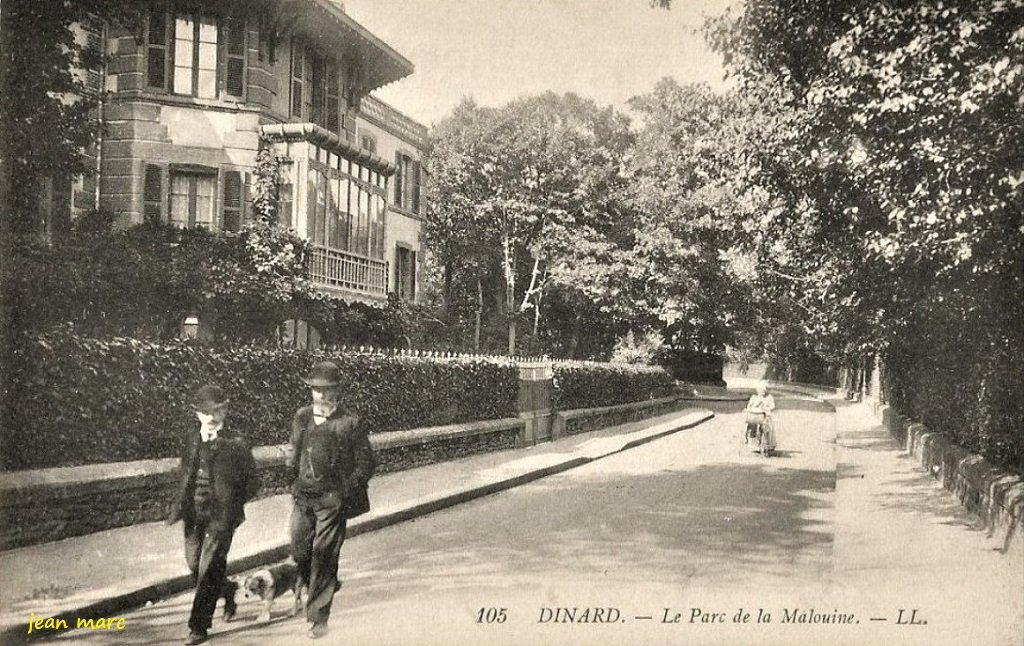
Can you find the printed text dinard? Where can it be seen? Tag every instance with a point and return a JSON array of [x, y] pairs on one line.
[[704, 616]]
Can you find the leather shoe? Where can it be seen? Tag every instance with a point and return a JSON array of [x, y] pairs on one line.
[[196, 637], [318, 630]]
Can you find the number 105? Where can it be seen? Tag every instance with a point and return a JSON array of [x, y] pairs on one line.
[[491, 615]]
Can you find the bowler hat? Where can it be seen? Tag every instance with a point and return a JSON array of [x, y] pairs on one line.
[[208, 398], [324, 374]]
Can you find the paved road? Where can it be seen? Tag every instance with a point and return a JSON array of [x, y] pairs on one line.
[[673, 540]]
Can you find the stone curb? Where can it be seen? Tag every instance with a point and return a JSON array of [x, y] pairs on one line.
[[16, 634], [993, 494]]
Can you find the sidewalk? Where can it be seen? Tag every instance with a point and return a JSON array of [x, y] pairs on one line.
[[102, 574], [895, 522]]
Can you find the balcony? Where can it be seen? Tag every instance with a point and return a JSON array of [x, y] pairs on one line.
[[348, 275]]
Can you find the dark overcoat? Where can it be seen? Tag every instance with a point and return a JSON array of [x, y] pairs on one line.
[[342, 456], [235, 480]]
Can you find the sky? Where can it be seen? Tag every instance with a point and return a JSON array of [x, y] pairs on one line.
[[496, 50]]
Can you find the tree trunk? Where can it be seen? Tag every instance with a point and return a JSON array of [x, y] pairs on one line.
[[536, 313], [510, 287], [479, 313]]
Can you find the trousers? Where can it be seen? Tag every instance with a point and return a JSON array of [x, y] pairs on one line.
[[317, 533], [206, 552]]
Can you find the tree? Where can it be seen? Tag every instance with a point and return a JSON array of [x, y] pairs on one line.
[[894, 186], [513, 189], [46, 108]]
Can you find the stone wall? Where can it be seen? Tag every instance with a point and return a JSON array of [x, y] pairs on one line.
[[995, 495], [50, 504], [584, 420]]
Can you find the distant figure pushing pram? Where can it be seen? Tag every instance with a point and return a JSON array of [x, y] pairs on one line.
[[760, 428]]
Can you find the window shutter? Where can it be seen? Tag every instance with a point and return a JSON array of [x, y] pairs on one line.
[[246, 198], [417, 179], [156, 50], [234, 82], [152, 194], [232, 219], [412, 275], [317, 89], [399, 171], [298, 75], [333, 106]]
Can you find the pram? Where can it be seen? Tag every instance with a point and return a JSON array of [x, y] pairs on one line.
[[760, 433]]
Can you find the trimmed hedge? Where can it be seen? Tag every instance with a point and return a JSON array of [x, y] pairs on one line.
[[77, 401], [589, 385]]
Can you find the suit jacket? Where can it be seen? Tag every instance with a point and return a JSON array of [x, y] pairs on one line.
[[342, 457], [235, 480]]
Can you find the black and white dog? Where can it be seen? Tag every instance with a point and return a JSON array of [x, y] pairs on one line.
[[270, 583]]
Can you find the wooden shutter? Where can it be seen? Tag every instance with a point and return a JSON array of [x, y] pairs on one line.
[[298, 77], [399, 171], [232, 212], [412, 275], [234, 73], [417, 171], [152, 194], [333, 101], [157, 50], [317, 89]]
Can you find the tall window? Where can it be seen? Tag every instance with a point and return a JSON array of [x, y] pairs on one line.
[[315, 88], [298, 78], [192, 199], [190, 53], [343, 225], [195, 55]]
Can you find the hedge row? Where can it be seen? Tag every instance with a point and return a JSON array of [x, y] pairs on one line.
[[77, 401], [589, 385]]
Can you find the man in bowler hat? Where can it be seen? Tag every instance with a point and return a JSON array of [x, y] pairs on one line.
[[331, 462], [218, 478]]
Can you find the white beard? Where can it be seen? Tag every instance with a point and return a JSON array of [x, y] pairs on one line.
[[324, 409]]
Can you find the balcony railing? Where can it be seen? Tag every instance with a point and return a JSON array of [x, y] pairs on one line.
[[393, 121], [335, 270]]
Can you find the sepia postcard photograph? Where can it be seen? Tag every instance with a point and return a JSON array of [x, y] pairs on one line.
[[512, 322]]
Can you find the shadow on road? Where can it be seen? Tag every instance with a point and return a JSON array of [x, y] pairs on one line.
[[721, 523]]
